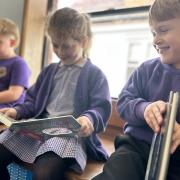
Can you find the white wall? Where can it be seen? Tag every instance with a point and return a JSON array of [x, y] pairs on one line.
[[12, 9]]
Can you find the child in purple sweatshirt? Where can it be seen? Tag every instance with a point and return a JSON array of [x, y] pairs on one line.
[[142, 101]]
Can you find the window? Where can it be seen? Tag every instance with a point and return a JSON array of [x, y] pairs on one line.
[[121, 42], [119, 49], [101, 5]]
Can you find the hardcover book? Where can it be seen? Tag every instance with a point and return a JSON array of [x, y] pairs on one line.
[[53, 126], [160, 148]]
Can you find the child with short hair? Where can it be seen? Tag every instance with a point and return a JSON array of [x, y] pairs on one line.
[[142, 102], [72, 86], [14, 72]]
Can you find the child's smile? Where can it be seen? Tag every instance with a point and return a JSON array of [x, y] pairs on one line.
[[166, 40]]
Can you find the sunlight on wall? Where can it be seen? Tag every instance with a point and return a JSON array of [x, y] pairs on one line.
[[119, 49]]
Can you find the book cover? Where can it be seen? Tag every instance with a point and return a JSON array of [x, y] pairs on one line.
[[160, 148], [53, 126]]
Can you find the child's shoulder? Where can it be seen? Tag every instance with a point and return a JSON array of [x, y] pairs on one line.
[[50, 68], [92, 67], [152, 63], [92, 71], [17, 61]]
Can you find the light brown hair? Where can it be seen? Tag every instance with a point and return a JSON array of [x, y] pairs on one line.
[[68, 22], [162, 10], [8, 27]]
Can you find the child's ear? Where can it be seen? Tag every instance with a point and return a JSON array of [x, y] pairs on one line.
[[85, 41], [12, 42]]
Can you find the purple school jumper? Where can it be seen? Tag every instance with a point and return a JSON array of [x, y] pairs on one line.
[[92, 99], [152, 81], [13, 71]]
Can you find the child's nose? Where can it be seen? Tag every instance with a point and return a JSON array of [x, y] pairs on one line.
[[157, 40]]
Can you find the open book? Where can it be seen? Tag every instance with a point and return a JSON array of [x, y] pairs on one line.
[[53, 126]]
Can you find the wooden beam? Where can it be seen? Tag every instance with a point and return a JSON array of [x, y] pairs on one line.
[[33, 31]]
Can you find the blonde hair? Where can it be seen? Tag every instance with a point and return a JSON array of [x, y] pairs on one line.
[[8, 27], [162, 10], [69, 22]]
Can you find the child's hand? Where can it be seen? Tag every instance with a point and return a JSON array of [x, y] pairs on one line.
[[153, 114], [175, 137], [86, 126], [11, 112]]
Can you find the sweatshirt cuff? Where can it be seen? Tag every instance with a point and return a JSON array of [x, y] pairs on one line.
[[140, 108], [18, 116]]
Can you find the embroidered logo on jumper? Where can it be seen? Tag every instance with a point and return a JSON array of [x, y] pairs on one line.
[[3, 72]]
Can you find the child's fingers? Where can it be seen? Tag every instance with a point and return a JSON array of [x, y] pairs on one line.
[[84, 131], [153, 115], [162, 106], [3, 110], [152, 122], [11, 113], [8, 113], [157, 113], [86, 126]]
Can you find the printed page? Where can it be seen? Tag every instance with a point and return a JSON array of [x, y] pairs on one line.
[[6, 120]]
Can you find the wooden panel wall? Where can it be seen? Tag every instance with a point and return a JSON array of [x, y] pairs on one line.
[[115, 120], [115, 124], [32, 40]]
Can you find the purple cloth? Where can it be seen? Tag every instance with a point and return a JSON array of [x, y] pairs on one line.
[[14, 71], [152, 81], [92, 99]]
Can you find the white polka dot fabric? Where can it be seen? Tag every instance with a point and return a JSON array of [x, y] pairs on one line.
[[28, 148]]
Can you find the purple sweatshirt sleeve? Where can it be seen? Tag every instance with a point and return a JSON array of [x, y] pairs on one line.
[[20, 73], [29, 108], [132, 102], [100, 103]]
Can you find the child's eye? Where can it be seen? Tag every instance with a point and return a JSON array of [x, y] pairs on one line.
[[65, 46], [55, 45], [153, 33], [164, 30]]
